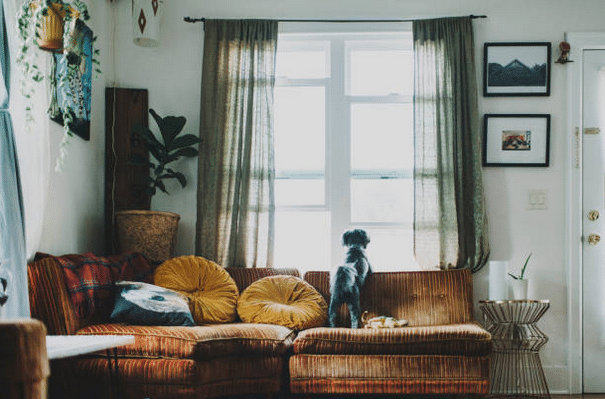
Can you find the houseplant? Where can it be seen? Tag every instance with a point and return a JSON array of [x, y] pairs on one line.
[[154, 232], [52, 26], [519, 282]]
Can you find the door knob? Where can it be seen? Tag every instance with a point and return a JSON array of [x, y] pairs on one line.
[[594, 239], [593, 215]]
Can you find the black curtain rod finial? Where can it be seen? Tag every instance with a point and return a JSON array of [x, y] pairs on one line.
[[193, 20]]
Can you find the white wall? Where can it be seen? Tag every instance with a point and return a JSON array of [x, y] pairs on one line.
[[172, 74]]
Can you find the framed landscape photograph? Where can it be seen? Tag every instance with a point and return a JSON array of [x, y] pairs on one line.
[[516, 139], [516, 69]]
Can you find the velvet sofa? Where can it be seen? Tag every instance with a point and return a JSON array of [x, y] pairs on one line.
[[165, 361], [441, 351]]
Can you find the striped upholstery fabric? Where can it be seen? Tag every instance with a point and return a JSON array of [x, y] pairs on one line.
[[49, 300], [443, 351], [424, 298], [452, 339], [171, 378], [244, 277], [164, 362], [200, 342], [378, 374]]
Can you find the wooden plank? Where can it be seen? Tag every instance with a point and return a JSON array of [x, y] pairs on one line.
[[125, 184]]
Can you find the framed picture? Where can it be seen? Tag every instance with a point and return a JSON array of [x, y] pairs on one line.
[[516, 139], [516, 69]]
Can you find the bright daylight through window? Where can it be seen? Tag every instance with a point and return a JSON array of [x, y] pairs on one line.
[[344, 148]]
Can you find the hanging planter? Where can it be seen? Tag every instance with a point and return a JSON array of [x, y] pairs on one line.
[[55, 26], [50, 32]]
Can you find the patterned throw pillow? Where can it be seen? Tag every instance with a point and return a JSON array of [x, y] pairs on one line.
[[150, 305]]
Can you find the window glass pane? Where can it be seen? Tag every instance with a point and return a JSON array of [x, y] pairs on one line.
[[382, 200], [302, 240], [391, 250], [382, 136], [300, 129], [308, 62], [293, 192], [380, 72]]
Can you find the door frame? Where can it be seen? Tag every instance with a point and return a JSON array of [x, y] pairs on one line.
[[579, 42]]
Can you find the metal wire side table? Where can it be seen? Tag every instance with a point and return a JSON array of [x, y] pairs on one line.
[[516, 368]]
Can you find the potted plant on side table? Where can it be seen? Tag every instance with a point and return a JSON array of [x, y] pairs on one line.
[[519, 282], [154, 232]]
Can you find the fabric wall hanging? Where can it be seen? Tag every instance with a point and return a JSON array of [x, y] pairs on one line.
[[71, 83]]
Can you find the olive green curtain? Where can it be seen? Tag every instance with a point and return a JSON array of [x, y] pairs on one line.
[[235, 218], [450, 221]]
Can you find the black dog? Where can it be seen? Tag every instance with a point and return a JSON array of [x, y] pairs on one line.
[[347, 280]]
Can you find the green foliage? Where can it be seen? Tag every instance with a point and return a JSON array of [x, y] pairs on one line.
[[166, 149], [30, 19], [522, 274]]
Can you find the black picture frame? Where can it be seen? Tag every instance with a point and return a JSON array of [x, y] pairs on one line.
[[516, 140], [516, 69]]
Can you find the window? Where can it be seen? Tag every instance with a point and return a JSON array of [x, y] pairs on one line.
[[344, 148]]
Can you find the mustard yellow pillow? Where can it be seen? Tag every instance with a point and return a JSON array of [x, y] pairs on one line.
[[211, 291], [283, 300]]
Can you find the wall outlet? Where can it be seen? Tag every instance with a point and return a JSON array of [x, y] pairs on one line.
[[537, 199]]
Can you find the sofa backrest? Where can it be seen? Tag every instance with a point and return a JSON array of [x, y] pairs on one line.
[[423, 298], [51, 303], [243, 277]]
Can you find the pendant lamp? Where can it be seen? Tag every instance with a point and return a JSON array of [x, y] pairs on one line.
[[146, 16]]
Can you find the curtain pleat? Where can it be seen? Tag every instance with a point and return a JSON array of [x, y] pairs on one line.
[[450, 220], [235, 218], [12, 231]]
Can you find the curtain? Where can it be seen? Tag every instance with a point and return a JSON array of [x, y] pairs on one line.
[[236, 206], [450, 220], [12, 231]]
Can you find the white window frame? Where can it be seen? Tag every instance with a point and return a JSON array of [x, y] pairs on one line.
[[338, 116]]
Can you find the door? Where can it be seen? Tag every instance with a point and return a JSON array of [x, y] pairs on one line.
[[593, 232]]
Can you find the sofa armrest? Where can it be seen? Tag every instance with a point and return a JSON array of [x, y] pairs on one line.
[[49, 300]]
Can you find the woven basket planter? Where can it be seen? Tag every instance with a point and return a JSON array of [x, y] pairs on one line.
[[50, 31], [152, 233]]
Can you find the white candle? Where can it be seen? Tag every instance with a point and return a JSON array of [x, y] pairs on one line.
[[498, 287]]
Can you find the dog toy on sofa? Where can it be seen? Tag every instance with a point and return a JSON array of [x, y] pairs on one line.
[[347, 280], [382, 321]]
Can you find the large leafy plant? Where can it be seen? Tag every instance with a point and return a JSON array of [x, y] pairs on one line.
[[169, 147]]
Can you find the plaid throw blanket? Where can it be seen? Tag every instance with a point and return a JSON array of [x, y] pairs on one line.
[[90, 278]]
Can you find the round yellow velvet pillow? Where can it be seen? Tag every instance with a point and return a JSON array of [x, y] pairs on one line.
[[283, 300], [211, 291]]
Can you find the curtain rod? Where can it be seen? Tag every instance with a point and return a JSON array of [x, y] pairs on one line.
[[194, 20]]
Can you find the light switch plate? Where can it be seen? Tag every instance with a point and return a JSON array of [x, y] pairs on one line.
[[537, 199]]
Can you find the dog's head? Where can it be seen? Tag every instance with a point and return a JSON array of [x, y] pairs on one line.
[[355, 238]]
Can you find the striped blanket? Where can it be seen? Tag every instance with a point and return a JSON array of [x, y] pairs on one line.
[[90, 278]]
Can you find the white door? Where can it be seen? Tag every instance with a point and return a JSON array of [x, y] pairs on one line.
[[593, 220]]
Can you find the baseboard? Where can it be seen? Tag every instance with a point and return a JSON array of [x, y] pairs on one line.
[[557, 378]]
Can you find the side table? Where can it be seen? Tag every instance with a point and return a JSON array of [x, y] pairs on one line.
[[516, 367], [62, 346]]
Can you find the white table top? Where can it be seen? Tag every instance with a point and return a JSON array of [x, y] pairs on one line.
[[60, 346]]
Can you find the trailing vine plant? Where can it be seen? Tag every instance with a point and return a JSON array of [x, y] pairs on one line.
[[30, 19]]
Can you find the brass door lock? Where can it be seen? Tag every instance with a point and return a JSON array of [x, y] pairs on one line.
[[594, 239], [593, 215]]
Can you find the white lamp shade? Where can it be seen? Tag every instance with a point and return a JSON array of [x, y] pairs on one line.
[[146, 16]]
